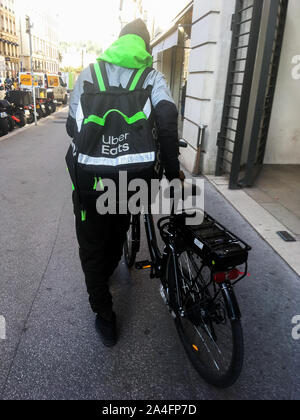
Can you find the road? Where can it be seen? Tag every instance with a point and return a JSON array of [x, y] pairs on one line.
[[52, 350]]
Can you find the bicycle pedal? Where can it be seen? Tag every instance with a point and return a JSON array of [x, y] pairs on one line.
[[143, 265]]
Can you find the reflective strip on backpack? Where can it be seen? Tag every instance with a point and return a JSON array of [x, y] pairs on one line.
[[119, 161]]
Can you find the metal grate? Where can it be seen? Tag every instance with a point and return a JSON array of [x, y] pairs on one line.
[[245, 28], [267, 86]]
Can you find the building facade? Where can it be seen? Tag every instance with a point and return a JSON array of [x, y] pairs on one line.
[[130, 10], [241, 59], [9, 42], [45, 39]]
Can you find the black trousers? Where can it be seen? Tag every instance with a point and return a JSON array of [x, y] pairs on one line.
[[101, 240]]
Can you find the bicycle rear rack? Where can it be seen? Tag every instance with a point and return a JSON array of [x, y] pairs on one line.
[[218, 247]]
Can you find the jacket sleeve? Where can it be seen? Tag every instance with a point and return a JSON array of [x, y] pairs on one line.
[[167, 123], [75, 99], [70, 126]]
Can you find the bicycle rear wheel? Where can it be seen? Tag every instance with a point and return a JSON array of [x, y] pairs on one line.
[[132, 242], [213, 342]]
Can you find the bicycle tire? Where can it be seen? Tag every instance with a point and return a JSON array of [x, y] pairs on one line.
[[234, 370], [132, 242]]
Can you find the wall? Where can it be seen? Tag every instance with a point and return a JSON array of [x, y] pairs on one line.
[[210, 43], [284, 136], [159, 14]]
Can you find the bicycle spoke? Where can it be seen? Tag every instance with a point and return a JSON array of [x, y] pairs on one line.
[[211, 337], [207, 348]]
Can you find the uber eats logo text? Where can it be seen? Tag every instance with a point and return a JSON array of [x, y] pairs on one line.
[[112, 146]]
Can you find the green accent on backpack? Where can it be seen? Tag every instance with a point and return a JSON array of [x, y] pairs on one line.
[[101, 120], [98, 181], [83, 216]]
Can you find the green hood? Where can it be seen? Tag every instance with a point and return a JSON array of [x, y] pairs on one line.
[[129, 51]]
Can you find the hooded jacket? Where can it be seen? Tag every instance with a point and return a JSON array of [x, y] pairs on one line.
[[126, 54]]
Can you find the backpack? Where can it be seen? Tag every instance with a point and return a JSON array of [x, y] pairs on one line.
[[116, 131]]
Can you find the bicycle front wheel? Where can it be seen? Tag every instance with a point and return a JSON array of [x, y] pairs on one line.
[[132, 242], [213, 342]]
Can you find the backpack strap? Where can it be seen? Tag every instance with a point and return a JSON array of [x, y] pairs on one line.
[[99, 75], [139, 78], [100, 78], [134, 73]]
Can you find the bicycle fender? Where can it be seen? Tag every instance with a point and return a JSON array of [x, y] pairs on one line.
[[232, 306]]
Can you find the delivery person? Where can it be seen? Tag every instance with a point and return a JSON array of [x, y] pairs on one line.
[[101, 238]]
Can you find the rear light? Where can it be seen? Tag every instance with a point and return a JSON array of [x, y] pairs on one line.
[[231, 275], [220, 278], [234, 274]]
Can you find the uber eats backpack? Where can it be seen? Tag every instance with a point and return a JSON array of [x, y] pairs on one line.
[[116, 132]]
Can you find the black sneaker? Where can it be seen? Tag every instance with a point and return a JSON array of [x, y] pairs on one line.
[[107, 330]]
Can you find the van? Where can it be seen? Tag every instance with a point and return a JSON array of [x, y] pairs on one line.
[[55, 84]]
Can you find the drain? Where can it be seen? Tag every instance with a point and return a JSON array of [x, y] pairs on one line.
[[286, 236]]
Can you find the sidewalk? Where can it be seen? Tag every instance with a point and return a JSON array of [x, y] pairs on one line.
[[258, 213]]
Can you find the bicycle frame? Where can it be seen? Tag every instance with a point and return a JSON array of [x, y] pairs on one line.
[[198, 269], [155, 254], [159, 263]]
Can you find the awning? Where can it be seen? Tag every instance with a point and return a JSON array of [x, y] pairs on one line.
[[169, 42]]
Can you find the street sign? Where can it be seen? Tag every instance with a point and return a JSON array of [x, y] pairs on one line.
[[25, 80], [53, 80]]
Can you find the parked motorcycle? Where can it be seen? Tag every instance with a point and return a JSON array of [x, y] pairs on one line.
[[4, 124], [7, 107], [16, 115], [29, 114], [52, 106], [51, 101], [45, 107]]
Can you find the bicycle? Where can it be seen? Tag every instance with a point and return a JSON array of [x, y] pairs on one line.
[[198, 269]]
